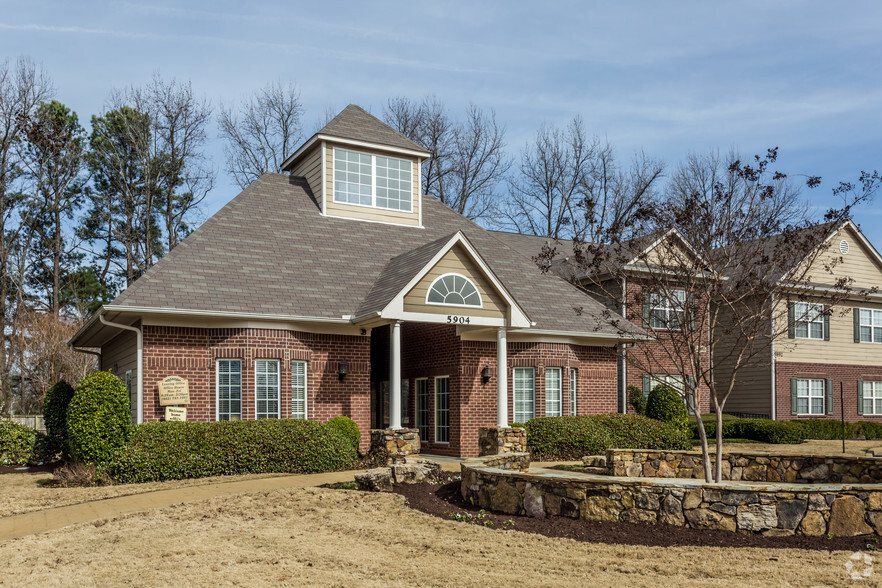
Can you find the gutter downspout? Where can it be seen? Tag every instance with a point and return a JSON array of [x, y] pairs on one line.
[[774, 392], [139, 413], [623, 392]]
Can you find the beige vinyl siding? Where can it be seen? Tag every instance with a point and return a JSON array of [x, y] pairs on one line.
[[668, 252], [753, 381], [122, 352], [310, 167], [840, 349], [368, 213], [457, 261], [858, 263]]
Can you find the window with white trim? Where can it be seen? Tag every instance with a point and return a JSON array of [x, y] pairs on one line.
[[373, 180], [442, 409], [454, 290], [870, 325], [266, 388], [524, 394], [872, 397], [666, 309], [808, 320], [553, 391], [229, 389], [422, 407], [809, 396], [574, 387], [298, 390]]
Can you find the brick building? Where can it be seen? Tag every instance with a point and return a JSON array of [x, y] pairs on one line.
[[339, 289]]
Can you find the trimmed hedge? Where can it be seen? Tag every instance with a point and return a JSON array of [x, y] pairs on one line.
[[18, 444], [346, 427], [98, 418], [767, 431], [55, 403], [665, 404], [637, 400], [572, 437], [177, 450]]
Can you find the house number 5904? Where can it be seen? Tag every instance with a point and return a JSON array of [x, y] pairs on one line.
[[458, 320]]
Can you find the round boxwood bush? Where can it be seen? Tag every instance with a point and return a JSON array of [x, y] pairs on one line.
[[17, 443], [55, 403], [665, 404], [178, 450], [637, 400], [98, 418], [346, 427]]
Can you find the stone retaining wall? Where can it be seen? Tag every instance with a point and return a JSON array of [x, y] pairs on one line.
[[753, 466], [771, 509]]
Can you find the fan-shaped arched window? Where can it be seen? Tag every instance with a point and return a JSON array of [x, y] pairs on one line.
[[454, 290]]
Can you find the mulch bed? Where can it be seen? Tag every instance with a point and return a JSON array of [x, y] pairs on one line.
[[445, 501], [46, 467]]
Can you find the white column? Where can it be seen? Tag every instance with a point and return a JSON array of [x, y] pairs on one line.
[[395, 377], [501, 378]]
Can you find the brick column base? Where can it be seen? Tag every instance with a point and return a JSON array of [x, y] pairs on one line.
[[499, 440]]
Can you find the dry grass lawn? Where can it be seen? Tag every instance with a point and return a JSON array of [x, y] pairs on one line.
[[853, 448], [345, 538], [20, 493]]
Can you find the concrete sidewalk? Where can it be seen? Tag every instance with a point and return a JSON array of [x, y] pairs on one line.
[[40, 521]]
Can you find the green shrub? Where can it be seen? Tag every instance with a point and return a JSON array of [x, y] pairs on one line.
[[868, 429], [637, 400], [665, 404], [178, 450], [825, 428], [346, 427], [760, 430], [55, 403], [98, 418], [517, 425], [572, 437], [17, 443]]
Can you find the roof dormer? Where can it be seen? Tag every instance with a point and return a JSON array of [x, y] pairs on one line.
[[360, 168]]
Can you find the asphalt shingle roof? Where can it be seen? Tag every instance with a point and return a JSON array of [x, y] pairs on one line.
[[354, 122], [270, 251]]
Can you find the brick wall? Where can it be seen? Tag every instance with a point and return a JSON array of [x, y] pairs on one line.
[[192, 352], [847, 374]]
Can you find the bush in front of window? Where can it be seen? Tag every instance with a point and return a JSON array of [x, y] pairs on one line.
[[573, 437], [666, 404], [18, 444], [98, 418], [637, 400], [55, 403], [178, 450], [346, 427]]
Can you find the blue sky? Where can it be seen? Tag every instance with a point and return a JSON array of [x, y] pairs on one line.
[[667, 78]]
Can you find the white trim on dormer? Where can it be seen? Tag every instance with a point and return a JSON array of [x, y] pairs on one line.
[[332, 139]]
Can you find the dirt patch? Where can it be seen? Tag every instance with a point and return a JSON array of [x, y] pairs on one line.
[[318, 537], [446, 502]]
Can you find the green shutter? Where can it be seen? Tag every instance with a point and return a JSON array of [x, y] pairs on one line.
[[647, 384], [793, 396], [829, 402], [692, 311], [645, 310], [826, 323], [856, 313], [791, 322], [860, 396]]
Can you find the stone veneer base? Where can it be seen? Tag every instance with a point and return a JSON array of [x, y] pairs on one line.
[[504, 483], [499, 440]]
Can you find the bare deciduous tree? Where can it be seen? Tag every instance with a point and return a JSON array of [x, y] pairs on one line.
[[569, 185], [262, 132]]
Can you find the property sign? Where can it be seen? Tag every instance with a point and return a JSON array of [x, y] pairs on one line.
[[175, 413], [174, 390]]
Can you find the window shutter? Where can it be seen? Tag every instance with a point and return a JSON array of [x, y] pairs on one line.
[[829, 402], [692, 311], [647, 383], [860, 396], [793, 396], [645, 310], [791, 322], [827, 324], [856, 313]]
